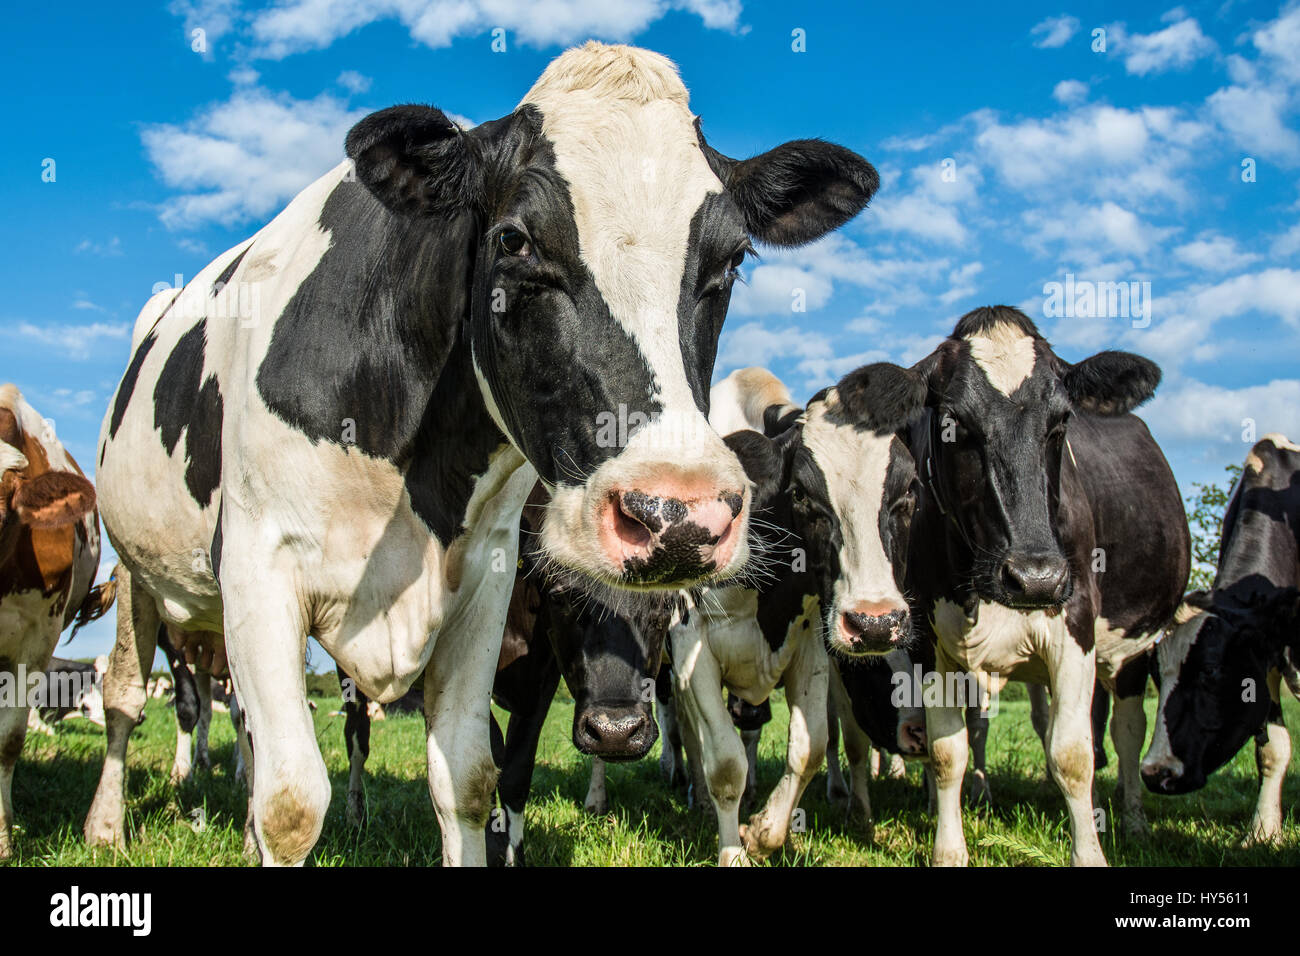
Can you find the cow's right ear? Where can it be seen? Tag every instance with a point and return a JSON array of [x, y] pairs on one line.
[[764, 462], [417, 162], [882, 397], [54, 499]]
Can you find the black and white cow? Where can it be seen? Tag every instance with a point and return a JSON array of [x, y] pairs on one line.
[[424, 332], [1232, 644], [73, 689], [834, 483], [1049, 542]]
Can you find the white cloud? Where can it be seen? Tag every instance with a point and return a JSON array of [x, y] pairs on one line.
[[962, 282], [1087, 233], [113, 247], [354, 82], [244, 158], [1054, 31], [1070, 92], [215, 18], [1287, 244], [1255, 118], [1209, 420], [755, 344], [296, 25], [928, 209], [1215, 253], [1177, 46], [75, 341]]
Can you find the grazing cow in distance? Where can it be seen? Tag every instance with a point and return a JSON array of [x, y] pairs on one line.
[[74, 689], [1049, 543], [1220, 669], [49, 553], [837, 484], [431, 327]]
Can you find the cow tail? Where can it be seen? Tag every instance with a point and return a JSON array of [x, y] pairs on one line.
[[97, 603]]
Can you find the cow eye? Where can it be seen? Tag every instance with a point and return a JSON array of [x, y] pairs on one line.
[[737, 260], [513, 243]]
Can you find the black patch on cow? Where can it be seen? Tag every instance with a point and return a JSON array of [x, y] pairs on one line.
[[182, 404], [127, 387], [220, 282], [218, 539], [880, 398]]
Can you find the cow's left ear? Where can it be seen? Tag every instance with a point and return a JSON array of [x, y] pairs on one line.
[[798, 191], [417, 162], [882, 397], [54, 499], [1111, 383]]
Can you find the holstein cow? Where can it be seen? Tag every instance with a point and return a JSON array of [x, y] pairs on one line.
[[73, 689], [347, 412], [49, 553], [1049, 543], [1233, 642], [838, 486]]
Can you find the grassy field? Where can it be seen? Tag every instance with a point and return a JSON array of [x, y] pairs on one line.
[[201, 823]]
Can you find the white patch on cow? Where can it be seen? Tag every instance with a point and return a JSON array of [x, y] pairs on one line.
[[514, 837], [1006, 355], [597, 800], [1281, 441], [1171, 654], [1004, 641], [739, 400], [11, 457], [855, 466], [625, 142], [1114, 649]]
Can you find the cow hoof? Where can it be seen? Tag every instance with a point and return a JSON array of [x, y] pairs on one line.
[[6, 846], [897, 768], [103, 833], [356, 810], [733, 855], [757, 838], [980, 795], [1261, 836], [596, 806], [955, 856], [498, 848], [1090, 859]]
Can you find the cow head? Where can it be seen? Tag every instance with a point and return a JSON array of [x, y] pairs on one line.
[[844, 483], [887, 704], [1213, 671], [609, 662], [606, 238], [1001, 401], [32, 496]]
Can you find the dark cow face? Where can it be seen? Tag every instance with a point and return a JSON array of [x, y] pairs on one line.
[[607, 237], [886, 701], [1213, 692], [1001, 404], [609, 663]]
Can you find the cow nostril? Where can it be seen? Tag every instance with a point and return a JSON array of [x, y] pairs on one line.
[[632, 519]]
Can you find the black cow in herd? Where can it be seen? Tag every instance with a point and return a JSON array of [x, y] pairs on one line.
[[1220, 670]]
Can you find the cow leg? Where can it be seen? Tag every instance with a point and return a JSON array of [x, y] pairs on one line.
[[1069, 742], [857, 751], [1272, 754], [836, 787], [805, 680], [244, 771], [356, 738], [266, 648], [124, 697], [977, 736], [13, 731], [457, 717], [671, 763], [522, 736], [749, 739], [1128, 729], [202, 759], [897, 766], [712, 744], [597, 800], [949, 751], [187, 703]]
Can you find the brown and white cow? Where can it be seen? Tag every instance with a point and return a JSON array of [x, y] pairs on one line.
[[49, 551]]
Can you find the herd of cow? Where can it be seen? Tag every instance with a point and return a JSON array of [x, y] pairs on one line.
[[406, 453]]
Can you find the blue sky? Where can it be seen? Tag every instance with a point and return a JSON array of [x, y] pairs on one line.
[[1013, 152]]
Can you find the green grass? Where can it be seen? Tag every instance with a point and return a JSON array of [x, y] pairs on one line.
[[201, 823]]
